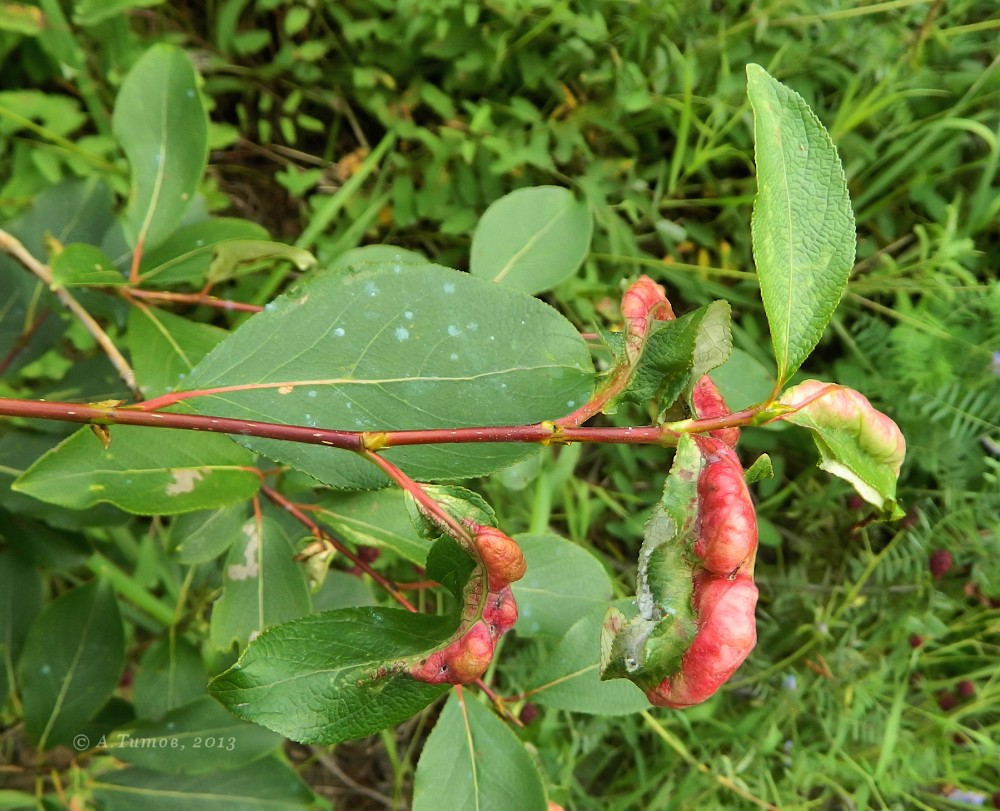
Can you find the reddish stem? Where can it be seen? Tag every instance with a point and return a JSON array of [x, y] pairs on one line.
[[189, 298], [544, 433], [322, 535]]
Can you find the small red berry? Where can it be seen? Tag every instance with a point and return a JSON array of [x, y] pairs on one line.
[[916, 640], [965, 688], [940, 562], [529, 712], [946, 701]]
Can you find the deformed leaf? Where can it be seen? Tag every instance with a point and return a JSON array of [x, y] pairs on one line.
[[680, 351], [532, 239], [187, 253], [160, 121], [802, 226], [472, 760], [856, 442], [396, 346], [233, 255], [145, 471], [262, 585], [336, 675], [72, 657], [649, 646]]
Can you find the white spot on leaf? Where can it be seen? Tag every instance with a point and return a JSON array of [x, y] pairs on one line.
[[184, 480], [250, 567], [285, 389], [402, 333]]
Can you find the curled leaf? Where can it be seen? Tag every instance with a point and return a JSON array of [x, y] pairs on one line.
[[856, 442]]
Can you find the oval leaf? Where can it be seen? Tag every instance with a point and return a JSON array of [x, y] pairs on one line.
[[802, 226], [395, 346], [161, 124], [72, 658], [532, 239], [563, 582], [570, 678], [473, 761]]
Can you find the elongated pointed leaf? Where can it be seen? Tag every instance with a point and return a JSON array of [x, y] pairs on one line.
[[263, 585], [532, 239], [70, 664], [161, 123], [145, 471], [803, 226], [20, 603], [472, 760], [395, 346], [267, 785], [333, 676]]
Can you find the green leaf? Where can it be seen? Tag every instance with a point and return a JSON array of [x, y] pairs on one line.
[[20, 603], [198, 537], [856, 442], [374, 518], [330, 677], [145, 471], [195, 738], [802, 226], [166, 347], [160, 121], [72, 657], [10, 800], [648, 647], [563, 582], [570, 678], [268, 785], [263, 585], [679, 352], [80, 265], [459, 502], [90, 12], [472, 760], [743, 380], [171, 673], [532, 239], [186, 255], [761, 469], [231, 256], [21, 18], [396, 346], [368, 254], [342, 590]]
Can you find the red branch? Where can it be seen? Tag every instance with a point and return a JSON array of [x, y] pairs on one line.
[[545, 433]]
